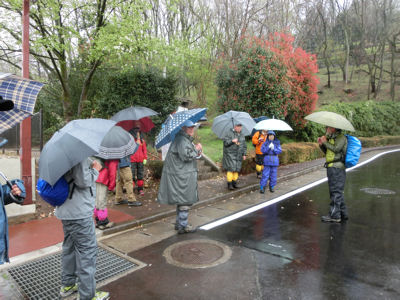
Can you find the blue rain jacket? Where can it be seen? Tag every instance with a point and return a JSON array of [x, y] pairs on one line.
[[5, 199], [271, 156]]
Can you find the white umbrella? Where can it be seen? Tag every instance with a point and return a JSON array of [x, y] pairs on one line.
[[273, 124], [330, 119]]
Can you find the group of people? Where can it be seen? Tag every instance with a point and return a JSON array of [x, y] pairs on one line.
[[93, 178], [178, 184]]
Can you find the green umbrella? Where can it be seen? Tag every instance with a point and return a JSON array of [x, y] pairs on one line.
[[330, 119]]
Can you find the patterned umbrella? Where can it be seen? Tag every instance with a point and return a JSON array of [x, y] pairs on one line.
[[175, 122], [23, 93], [117, 143]]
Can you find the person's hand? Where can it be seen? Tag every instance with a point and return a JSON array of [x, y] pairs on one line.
[[244, 157], [235, 141], [199, 147], [96, 165], [271, 146], [323, 139], [15, 190], [144, 161]]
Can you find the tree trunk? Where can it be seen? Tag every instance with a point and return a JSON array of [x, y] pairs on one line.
[[86, 85]]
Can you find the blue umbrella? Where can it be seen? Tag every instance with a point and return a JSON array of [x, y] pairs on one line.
[[175, 122], [71, 145], [23, 93]]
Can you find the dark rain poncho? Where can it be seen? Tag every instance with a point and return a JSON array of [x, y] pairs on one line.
[[179, 175], [233, 154]]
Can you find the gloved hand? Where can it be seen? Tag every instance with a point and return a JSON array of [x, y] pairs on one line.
[[271, 146], [144, 161]]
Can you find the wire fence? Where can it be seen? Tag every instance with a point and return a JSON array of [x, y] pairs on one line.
[[13, 135]]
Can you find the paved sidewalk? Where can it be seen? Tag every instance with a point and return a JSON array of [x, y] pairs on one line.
[[35, 236]]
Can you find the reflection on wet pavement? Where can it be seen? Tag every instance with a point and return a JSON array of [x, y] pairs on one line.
[[300, 257]]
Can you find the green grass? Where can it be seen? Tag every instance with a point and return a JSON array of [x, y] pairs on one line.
[[212, 145]]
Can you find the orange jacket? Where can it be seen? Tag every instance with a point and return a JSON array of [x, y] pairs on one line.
[[258, 139]]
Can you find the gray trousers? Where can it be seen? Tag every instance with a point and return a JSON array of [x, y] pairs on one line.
[[182, 215], [79, 254], [336, 182]]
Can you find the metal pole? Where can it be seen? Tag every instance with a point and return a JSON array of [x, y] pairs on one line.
[[25, 131]]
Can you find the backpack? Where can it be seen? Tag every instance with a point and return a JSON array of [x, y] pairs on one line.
[[353, 151], [54, 195]]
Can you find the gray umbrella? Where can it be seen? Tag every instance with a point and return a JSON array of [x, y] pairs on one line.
[[133, 113], [70, 145], [117, 144], [225, 122]]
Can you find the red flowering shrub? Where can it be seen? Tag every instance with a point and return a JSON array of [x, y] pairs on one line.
[[271, 78]]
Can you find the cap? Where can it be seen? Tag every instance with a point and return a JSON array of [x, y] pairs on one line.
[[6, 104], [189, 123], [271, 132]]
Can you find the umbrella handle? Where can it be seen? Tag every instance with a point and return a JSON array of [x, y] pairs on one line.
[[16, 199]]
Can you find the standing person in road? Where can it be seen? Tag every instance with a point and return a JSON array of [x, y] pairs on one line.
[[334, 145], [105, 182], [79, 250], [178, 184], [138, 160], [125, 182], [235, 149], [271, 148], [258, 139]]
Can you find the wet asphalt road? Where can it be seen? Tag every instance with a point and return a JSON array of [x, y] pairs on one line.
[[284, 251]]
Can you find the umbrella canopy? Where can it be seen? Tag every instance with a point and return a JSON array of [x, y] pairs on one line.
[[70, 145], [330, 119], [133, 113], [225, 122], [23, 93], [175, 122], [273, 124], [117, 143], [145, 124]]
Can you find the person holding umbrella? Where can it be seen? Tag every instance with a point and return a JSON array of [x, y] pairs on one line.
[[232, 127], [234, 153], [9, 193], [178, 184], [334, 145]]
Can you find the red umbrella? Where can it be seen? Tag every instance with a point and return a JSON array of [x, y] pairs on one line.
[[145, 124]]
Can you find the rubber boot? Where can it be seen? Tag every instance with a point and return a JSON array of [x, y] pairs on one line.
[[230, 187], [234, 184]]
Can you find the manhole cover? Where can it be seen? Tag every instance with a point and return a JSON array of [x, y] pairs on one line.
[[40, 278], [196, 254], [376, 191]]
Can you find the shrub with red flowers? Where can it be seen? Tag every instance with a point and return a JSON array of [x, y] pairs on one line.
[[271, 78]]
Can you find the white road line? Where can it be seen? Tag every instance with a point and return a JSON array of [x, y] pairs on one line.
[[283, 197]]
